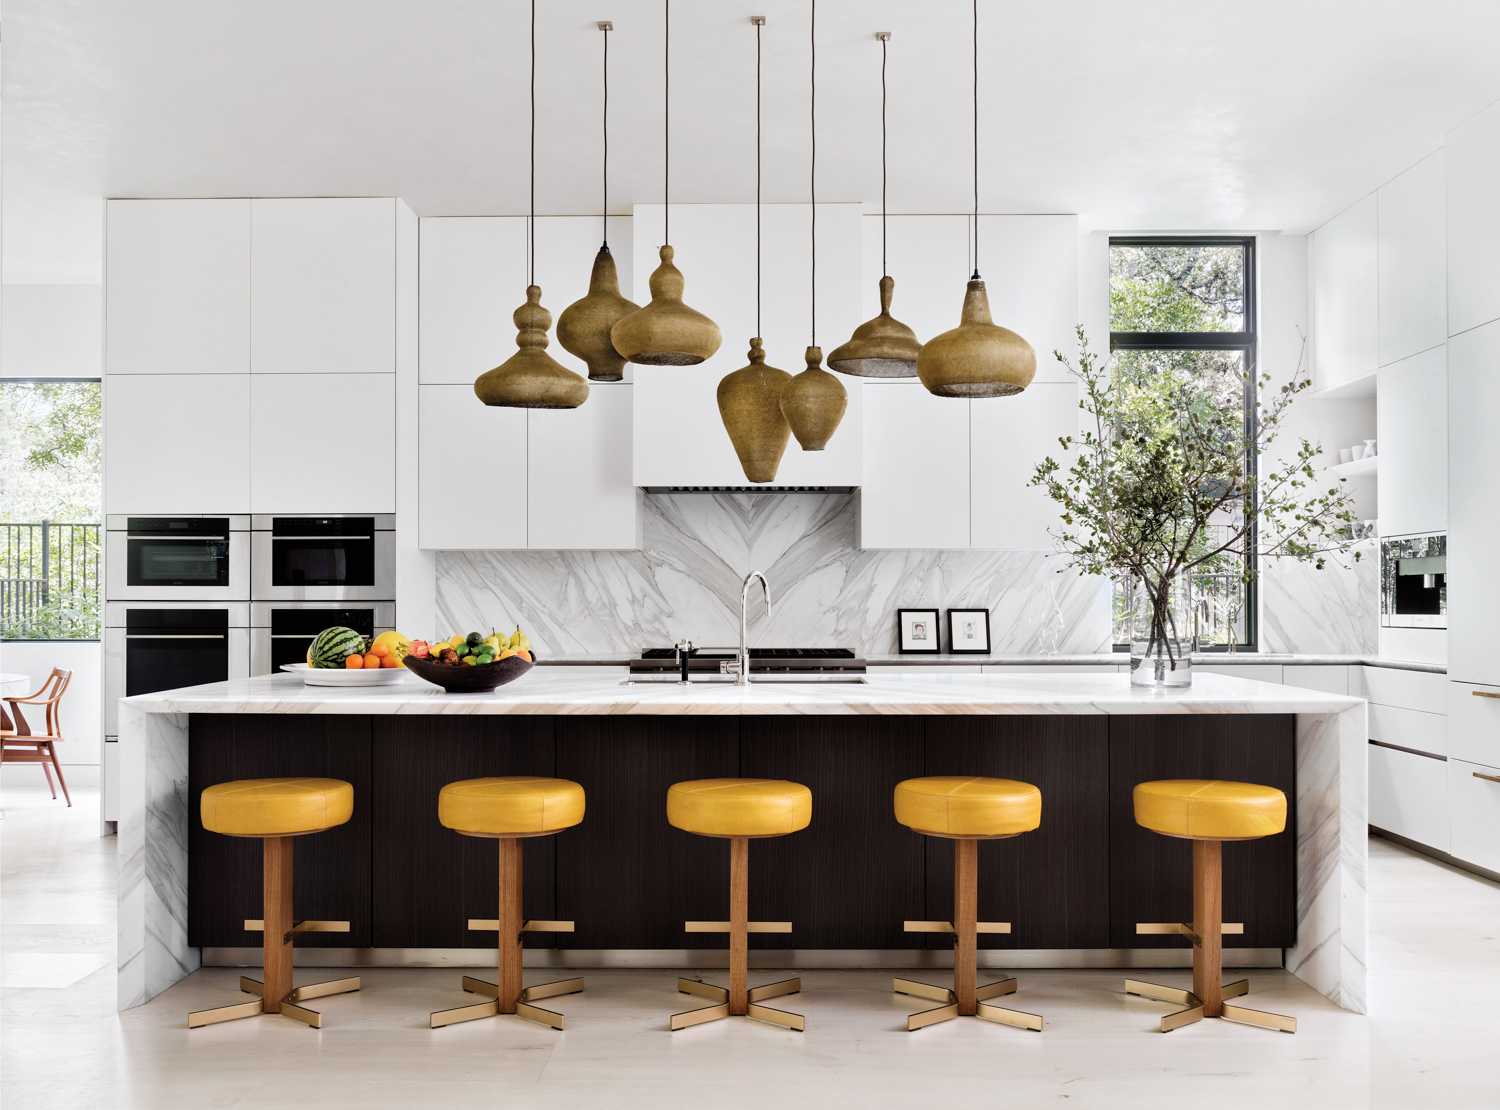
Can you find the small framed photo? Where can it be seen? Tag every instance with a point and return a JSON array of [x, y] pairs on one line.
[[969, 631], [917, 632]]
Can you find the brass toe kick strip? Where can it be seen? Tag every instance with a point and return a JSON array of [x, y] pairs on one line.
[[491, 925], [1018, 1018], [750, 927], [947, 926]]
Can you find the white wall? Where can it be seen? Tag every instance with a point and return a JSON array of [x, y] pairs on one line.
[[80, 705], [53, 331]]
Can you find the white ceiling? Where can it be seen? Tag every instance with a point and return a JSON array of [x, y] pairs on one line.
[[1148, 114]]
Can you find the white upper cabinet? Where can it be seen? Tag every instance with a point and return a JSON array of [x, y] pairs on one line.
[[1472, 154], [1030, 270], [1346, 296], [1413, 262], [177, 443], [916, 485], [322, 286], [324, 443], [177, 282], [679, 437], [1473, 522], [1412, 429], [473, 471], [1009, 436], [579, 492]]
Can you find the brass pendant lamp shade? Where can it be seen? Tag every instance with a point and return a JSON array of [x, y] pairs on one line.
[[978, 358], [531, 378], [585, 326], [666, 332], [880, 348], [750, 405], [813, 403]]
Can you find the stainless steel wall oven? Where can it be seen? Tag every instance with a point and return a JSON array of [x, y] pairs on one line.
[[323, 558], [165, 558]]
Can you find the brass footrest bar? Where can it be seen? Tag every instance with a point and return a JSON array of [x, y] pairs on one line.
[[750, 927], [297, 1013], [458, 1014], [253, 925], [491, 925], [720, 995], [1144, 928], [923, 1018], [1193, 1010], [947, 926]]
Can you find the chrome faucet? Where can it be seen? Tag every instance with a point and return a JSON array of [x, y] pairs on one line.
[[742, 660]]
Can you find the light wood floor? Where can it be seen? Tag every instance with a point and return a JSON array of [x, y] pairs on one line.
[[1430, 1042]]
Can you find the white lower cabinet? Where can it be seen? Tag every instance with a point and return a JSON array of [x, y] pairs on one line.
[[916, 468], [1260, 672], [1330, 680], [178, 443], [324, 443], [1407, 728], [472, 472], [1474, 723], [1409, 795], [110, 780], [580, 495], [1474, 810]]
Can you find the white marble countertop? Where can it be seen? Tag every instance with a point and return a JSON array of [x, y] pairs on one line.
[[554, 692], [1213, 659]]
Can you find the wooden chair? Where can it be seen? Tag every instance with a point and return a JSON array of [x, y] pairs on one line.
[[17, 742]]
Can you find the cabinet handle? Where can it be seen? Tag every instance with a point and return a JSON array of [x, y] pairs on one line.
[[1483, 694], [1487, 778]]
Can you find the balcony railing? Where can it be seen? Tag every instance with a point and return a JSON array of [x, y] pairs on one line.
[[49, 581]]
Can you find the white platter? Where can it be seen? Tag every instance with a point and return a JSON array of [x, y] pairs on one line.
[[335, 676]]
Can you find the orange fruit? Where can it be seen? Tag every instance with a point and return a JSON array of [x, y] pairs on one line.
[[380, 649], [372, 661], [354, 662], [390, 661], [526, 655]]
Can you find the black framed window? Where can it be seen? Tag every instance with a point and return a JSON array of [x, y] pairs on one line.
[[1182, 316]]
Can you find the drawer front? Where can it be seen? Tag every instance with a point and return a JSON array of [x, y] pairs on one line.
[[1258, 672], [1409, 796], [1406, 728], [1474, 723], [1474, 813], [1330, 680], [1419, 690]]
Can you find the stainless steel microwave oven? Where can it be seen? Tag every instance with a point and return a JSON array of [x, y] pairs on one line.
[[331, 557], [1414, 581], [282, 631], [177, 558]]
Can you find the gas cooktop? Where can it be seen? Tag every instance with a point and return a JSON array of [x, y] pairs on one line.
[[710, 660]]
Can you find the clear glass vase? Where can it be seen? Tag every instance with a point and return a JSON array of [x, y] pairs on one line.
[[1161, 632]]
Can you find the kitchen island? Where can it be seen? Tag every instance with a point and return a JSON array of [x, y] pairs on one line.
[[1073, 890]]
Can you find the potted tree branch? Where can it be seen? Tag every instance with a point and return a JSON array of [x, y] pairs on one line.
[[1167, 485]]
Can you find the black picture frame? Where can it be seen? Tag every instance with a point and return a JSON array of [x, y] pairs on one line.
[[953, 635], [930, 623]]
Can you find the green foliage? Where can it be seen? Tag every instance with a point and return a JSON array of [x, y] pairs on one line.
[[50, 451], [1162, 486], [1176, 288]]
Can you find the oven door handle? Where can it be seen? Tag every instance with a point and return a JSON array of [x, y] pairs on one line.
[[168, 636], [321, 538], [199, 539]]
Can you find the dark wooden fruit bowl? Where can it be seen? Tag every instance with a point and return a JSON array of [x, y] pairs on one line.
[[478, 679]]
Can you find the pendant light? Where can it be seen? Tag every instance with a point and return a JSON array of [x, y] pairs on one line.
[[814, 401], [584, 326], [666, 332], [750, 398], [978, 358], [883, 347], [531, 378]]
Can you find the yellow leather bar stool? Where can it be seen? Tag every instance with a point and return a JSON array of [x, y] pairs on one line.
[[509, 810], [1208, 812], [276, 810], [739, 810], [966, 810]]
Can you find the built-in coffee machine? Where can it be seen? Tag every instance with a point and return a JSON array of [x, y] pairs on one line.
[[1414, 581]]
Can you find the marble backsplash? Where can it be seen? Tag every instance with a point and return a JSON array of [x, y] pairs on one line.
[[685, 582]]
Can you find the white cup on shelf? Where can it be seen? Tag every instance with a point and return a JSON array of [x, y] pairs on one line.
[[1346, 454]]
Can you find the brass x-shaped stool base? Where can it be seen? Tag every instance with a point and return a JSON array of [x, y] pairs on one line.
[[1194, 1006], [523, 1000], [296, 1013], [947, 1012], [754, 995]]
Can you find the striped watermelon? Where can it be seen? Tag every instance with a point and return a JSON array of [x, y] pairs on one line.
[[332, 646]]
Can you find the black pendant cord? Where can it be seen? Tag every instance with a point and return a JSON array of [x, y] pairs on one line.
[[531, 219], [883, 268], [976, 142], [666, 125], [757, 179], [604, 206], [812, 39]]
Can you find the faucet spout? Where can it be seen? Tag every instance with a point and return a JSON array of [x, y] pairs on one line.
[[743, 659]]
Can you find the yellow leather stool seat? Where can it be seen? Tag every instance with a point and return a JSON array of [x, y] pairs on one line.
[[276, 807], [965, 806], [739, 807], [1210, 809], [515, 805]]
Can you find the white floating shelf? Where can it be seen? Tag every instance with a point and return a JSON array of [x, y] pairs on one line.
[[1359, 468]]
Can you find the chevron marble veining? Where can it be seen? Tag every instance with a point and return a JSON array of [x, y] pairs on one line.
[[685, 582]]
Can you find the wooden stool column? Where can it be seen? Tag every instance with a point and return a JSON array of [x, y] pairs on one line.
[[966, 810], [509, 810], [276, 811], [739, 810], [1207, 812]]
